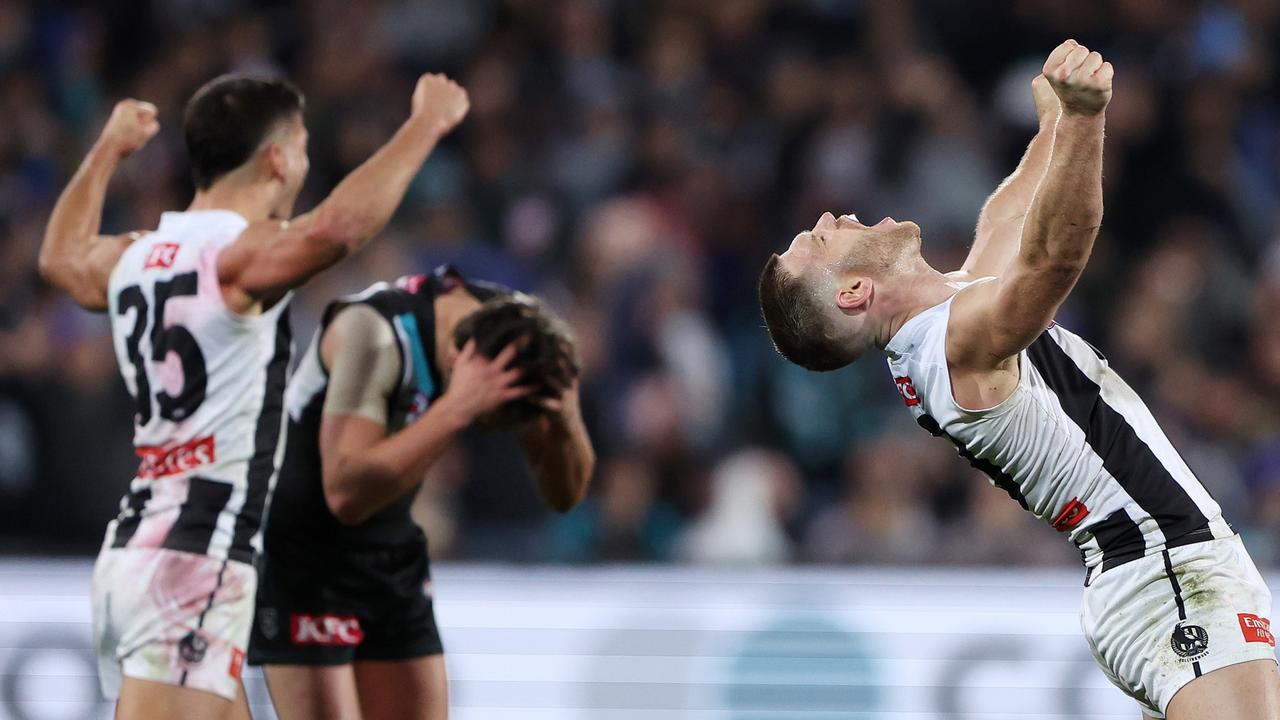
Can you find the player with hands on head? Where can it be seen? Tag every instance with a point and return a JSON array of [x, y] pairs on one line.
[[199, 318], [346, 626], [1174, 609]]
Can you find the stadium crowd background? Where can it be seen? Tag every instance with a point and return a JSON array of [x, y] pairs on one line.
[[635, 161]]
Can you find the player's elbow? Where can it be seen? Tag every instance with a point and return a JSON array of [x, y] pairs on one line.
[[344, 508]]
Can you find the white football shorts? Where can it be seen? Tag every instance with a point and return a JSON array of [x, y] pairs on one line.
[[1159, 622], [171, 617]]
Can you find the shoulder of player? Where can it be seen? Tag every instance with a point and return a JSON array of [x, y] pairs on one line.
[[359, 328], [968, 327]]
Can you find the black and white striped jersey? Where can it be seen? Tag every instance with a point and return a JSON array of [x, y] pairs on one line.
[[209, 385], [1073, 444]]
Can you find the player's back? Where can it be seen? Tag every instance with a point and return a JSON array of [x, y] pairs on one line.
[[209, 386]]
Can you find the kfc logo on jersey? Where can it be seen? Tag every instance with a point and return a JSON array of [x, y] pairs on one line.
[[1256, 629], [1071, 516], [908, 391], [162, 461], [161, 256], [333, 630]]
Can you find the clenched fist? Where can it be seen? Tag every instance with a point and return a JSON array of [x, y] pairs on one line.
[[131, 125], [442, 101], [1080, 78]]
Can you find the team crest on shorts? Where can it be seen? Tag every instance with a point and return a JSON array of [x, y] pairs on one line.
[[192, 648], [269, 623], [1190, 642]]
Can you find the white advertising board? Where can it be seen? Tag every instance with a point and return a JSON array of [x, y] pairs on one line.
[[640, 643]]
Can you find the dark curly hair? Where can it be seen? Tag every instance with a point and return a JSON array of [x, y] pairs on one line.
[[546, 352]]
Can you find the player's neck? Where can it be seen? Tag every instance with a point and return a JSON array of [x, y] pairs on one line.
[[911, 293], [253, 202]]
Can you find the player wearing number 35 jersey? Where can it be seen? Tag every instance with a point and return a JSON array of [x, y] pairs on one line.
[[1174, 611], [199, 316]]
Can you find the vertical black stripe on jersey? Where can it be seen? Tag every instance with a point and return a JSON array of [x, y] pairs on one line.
[[266, 439], [1120, 539], [198, 516], [1129, 460], [999, 477], [128, 521]]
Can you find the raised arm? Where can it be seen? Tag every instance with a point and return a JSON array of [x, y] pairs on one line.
[[73, 256], [999, 228], [560, 452], [270, 258], [995, 321], [363, 469]]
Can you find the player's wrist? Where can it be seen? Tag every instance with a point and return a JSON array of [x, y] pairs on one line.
[[108, 151]]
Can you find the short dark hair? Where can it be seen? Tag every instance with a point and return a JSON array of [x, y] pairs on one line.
[[227, 119], [795, 321], [547, 354]]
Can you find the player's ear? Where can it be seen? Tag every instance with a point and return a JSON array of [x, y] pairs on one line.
[[854, 295], [275, 161]]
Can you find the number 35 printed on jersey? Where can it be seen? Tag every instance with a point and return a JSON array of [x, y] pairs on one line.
[[164, 340]]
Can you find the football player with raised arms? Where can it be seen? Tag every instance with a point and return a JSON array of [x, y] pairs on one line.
[[199, 317], [1174, 610]]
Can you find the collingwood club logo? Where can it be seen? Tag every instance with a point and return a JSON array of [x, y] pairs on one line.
[[1190, 642], [192, 648]]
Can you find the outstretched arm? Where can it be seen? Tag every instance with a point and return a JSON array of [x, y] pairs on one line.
[[995, 321], [560, 452], [73, 256], [270, 258], [995, 241], [363, 469]]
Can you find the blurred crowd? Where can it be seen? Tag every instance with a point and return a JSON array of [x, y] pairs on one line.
[[635, 162]]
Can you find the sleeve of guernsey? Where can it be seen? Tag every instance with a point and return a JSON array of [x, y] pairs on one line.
[[365, 368]]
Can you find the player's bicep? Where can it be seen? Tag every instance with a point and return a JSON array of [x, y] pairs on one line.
[[996, 320], [270, 258], [359, 348], [87, 280]]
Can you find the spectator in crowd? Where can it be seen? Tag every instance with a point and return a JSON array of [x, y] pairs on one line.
[[634, 163]]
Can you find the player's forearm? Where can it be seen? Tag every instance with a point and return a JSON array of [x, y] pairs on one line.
[[365, 482], [76, 218], [1064, 217], [362, 204], [1012, 200], [563, 461], [995, 241]]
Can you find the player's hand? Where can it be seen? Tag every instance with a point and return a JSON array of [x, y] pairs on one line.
[[131, 125], [1047, 104], [480, 385], [441, 101], [1081, 79]]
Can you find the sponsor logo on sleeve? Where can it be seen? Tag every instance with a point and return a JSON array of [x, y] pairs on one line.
[[162, 255], [331, 630], [1256, 629]]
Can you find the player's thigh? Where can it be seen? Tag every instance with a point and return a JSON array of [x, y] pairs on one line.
[[313, 692], [416, 689], [1246, 691], [148, 700]]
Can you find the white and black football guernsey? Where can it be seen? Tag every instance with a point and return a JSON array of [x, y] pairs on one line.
[[299, 511], [209, 385], [1073, 444]]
